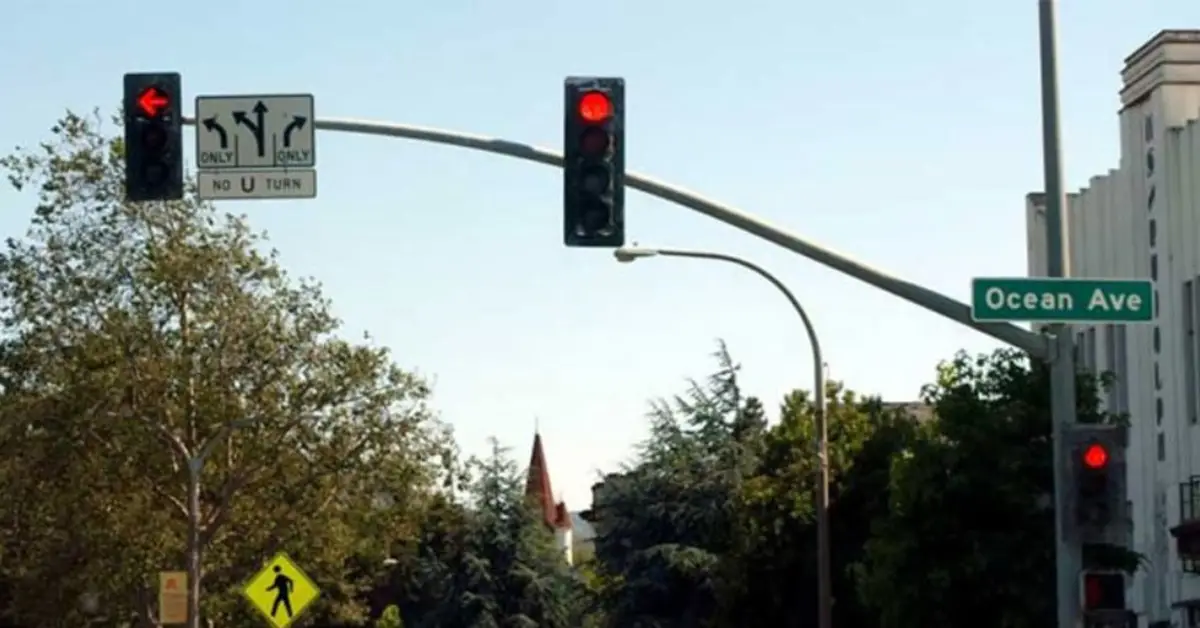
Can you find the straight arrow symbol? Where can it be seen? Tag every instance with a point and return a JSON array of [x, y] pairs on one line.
[[256, 127]]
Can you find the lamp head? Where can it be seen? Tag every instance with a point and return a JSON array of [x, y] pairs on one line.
[[627, 254]]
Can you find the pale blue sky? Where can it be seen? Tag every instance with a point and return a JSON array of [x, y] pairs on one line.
[[903, 133]]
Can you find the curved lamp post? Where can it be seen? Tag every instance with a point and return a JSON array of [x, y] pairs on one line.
[[824, 583]]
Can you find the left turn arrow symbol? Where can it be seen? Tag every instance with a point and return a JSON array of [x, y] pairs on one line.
[[213, 126], [152, 101]]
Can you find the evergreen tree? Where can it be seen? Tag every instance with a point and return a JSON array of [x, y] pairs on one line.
[[668, 518], [493, 561]]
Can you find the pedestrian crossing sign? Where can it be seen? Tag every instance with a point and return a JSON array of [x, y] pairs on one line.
[[281, 591]]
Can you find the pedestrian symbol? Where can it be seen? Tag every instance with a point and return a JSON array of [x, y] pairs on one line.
[[281, 591]]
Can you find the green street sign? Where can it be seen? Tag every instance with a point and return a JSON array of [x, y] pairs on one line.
[[1046, 300]]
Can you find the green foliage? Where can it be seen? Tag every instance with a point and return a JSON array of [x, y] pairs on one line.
[[776, 532], [970, 523], [491, 561], [668, 518], [138, 336], [390, 618]]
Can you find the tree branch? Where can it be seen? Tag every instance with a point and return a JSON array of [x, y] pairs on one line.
[[173, 500], [219, 515]]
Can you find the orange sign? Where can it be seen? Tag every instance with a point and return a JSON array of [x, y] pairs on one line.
[[172, 597]]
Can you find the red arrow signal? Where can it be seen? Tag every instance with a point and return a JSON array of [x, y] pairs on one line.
[[152, 101]]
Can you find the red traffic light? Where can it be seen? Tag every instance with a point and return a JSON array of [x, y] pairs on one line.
[[1095, 456], [1104, 591], [152, 101], [595, 107]]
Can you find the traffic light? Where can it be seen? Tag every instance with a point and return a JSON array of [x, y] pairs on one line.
[[1103, 591], [594, 163], [1103, 601], [1098, 475], [1094, 506], [153, 137]]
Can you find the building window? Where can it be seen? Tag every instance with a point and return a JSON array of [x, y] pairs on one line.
[[1157, 377], [1189, 350], [1157, 304], [1121, 369], [1153, 233], [1157, 339], [1162, 447], [1158, 410], [1110, 366], [1089, 350], [1154, 267]]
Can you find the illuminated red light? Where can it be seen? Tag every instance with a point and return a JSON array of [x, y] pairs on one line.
[[1093, 592], [1095, 456], [152, 101], [595, 107]]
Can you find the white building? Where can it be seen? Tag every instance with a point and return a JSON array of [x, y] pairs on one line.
[[1142, 220]]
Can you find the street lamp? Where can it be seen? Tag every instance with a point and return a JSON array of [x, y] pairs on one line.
[[627, 254]]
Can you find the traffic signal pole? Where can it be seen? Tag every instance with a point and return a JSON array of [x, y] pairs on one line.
[[1036, 345], [1068, 560]]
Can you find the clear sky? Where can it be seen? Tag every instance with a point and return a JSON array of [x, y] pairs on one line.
[[905, 134]]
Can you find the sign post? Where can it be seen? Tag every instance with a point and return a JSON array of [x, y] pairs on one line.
[[256, 147], [1054, 300]]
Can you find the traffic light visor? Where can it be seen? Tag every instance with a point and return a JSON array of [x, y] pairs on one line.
[[595, 107], [154, 137], [594, 142], [595, 180], [1095, 456]]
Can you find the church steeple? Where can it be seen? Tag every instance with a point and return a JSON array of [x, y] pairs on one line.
[[554, 515], [538, 487]]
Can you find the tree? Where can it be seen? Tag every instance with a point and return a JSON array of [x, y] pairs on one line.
[[140, 336], [491, 561], [390, 618], [968, 538], [772, 575], [666, 520]]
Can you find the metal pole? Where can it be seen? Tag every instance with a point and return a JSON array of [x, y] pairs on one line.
[[195, 466], [1062, 358], [1033, 344], [824, 572], [824, 544], [194, 551]]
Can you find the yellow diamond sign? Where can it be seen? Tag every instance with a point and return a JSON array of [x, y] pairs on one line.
[[281, 591]]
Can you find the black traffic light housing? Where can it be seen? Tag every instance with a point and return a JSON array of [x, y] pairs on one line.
[[594, 162], [1102, 600], [1098, 483], [1094, 484], [1103, 591], [153, 137]]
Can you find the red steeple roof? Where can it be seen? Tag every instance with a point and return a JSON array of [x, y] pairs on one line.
[[537, 486]]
